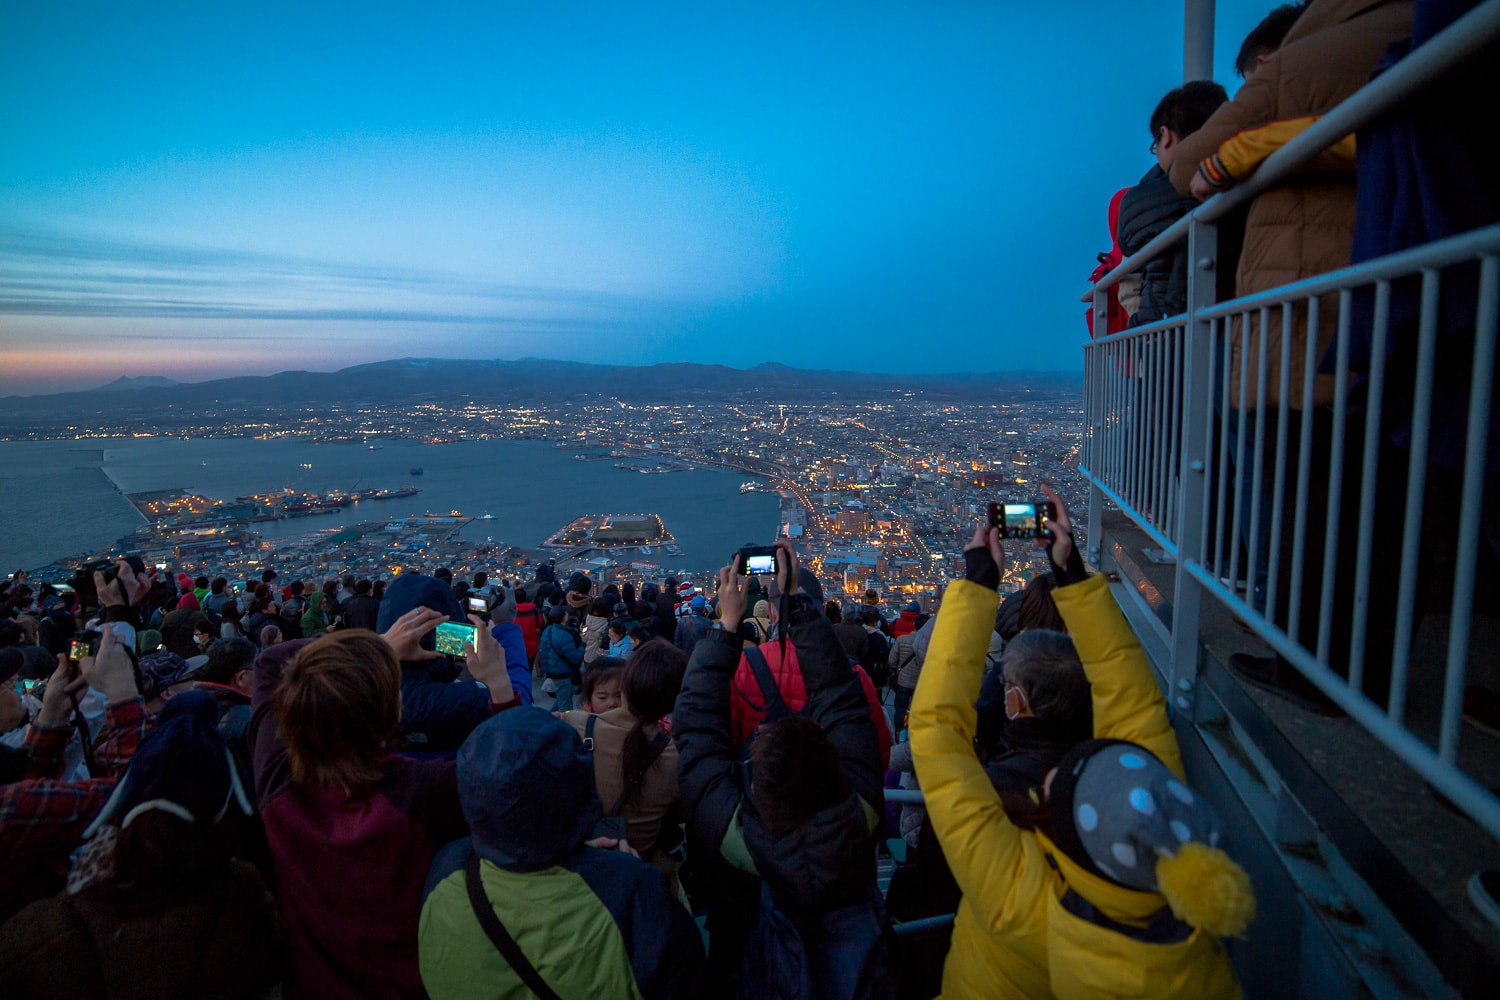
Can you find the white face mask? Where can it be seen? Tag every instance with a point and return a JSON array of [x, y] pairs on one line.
[[1021, 695]]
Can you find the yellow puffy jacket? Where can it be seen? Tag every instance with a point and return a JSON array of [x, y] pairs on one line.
[[1013, 936]]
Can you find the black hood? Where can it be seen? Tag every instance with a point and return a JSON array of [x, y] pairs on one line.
[[825, 863]]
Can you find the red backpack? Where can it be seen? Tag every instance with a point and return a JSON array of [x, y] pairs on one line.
[[1115, 317]]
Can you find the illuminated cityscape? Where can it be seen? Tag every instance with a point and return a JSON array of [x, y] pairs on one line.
[[877, 494]]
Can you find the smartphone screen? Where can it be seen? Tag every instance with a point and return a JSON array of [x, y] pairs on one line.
[[478, 604], [161, 565], [756, 565], [455, 638], [1020, 520]]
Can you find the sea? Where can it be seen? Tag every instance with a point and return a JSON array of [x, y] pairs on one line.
[[62, 498]]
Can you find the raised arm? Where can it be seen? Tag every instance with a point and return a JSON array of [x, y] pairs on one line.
[[983, 847], [708, 772]]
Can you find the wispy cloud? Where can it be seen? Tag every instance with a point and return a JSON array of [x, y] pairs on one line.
[[54, 274]]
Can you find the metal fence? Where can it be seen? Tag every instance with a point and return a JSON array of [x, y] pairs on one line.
[[1269, 446]]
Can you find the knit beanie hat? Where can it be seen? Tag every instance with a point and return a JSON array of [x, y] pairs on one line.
[[147, 640], [504, 609], [1119, 813]]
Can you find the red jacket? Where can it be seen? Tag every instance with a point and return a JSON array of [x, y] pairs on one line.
[[349, 872], [529, 618], [745, 711]]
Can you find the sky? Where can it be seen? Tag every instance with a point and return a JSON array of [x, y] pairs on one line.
[[198, 190]]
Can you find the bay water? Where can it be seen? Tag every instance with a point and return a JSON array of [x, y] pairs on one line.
[[64, 497]]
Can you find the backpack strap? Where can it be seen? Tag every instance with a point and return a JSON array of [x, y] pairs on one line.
[[501, 938], [775, 705], [588, 732]]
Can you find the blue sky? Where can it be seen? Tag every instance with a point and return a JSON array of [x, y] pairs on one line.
[[196, 191]]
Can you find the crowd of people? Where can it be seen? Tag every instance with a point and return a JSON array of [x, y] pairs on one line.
[[296, 790], [668, 793]]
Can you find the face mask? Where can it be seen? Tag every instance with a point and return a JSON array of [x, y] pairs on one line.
[[1021, 695]]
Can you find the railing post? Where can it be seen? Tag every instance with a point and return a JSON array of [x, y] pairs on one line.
[[1192, 536], [1094, 414]]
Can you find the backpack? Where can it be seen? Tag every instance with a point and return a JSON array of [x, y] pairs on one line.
[[839, 954], [775, 707], [1115, 317]]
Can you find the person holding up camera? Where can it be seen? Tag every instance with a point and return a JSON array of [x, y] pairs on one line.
[[42, 818], [1060, 885], [796, 808]]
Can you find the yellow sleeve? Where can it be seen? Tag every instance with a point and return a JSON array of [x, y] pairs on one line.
[[982, 846], [1240, 155], [1128, 703]]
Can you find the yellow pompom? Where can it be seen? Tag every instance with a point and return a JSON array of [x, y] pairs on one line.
[[1207, 889]]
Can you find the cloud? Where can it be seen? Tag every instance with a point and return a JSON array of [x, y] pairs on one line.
[[55, 274]]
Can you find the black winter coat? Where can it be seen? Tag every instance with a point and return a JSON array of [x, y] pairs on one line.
[[1146, 211], [828, 861]]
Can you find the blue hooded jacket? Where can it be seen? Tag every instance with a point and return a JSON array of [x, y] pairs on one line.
[[590, 920], [437, 713]]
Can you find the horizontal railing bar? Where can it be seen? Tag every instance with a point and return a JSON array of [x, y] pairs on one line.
[[1458, 249], [910, 796], [1165, 240], [1177, 322], [1463, 791], [907, 928], [1466, 36]]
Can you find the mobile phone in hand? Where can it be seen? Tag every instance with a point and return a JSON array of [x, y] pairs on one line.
[[1022, 520], [455, 638]]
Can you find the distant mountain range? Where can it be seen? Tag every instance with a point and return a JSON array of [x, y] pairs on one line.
[[417, 380], [125, 382]]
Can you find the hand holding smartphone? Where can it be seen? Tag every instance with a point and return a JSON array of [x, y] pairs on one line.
[[455, 638], [1022, 520]]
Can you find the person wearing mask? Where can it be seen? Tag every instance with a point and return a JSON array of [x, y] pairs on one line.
[[352, 825], [635, 763], [1112, 829]]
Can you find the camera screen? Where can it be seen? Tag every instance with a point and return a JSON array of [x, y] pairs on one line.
[[79, 649], [454, 638], [756, 565], [1020, 519], [478, 604]]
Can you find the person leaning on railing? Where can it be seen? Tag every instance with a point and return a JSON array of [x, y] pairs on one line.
[[1123, 890], [1300, 228]]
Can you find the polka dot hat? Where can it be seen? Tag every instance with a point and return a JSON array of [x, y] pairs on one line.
[[1127, 811]]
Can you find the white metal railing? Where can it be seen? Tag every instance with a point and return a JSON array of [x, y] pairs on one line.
[[1197, 430]]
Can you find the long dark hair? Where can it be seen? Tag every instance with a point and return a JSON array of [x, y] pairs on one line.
[[653, 676]]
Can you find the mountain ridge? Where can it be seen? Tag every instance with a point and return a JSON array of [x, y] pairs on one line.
[[524, 380]]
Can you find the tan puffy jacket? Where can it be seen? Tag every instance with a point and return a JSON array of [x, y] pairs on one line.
[[1304, 226]]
